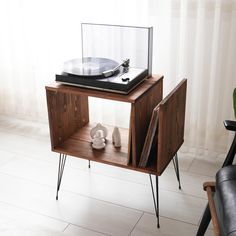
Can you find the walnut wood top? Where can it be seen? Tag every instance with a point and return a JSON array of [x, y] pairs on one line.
[[131, 97]]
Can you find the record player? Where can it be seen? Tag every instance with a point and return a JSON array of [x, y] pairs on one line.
[[114, 58]]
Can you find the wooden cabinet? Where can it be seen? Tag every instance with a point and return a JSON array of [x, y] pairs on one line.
[[68, 111]]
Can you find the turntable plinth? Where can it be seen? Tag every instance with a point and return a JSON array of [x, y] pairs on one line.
[[68, 112]]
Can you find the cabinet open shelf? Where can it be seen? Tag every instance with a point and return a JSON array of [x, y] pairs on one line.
[[79, 144], [68, 111]]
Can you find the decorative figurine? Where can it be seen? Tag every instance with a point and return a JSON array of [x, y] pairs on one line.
[[99, 127], [98, 141], [116, 140]]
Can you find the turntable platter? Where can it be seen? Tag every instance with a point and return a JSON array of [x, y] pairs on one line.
[[89, 66]]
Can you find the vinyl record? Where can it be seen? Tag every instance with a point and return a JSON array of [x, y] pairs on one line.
[[89, 67]]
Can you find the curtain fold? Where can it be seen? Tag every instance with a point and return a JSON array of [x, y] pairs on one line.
[[193, 39], [201, 48]]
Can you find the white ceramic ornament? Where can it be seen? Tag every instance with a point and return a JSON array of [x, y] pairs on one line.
[[99, 127], [116, 139], [98, 141]]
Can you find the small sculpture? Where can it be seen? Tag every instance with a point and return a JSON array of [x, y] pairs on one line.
[[116, 140], [99, 127], [98, 141]]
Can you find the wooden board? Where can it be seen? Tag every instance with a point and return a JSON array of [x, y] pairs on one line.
[[171, 125], [131, 97], [129, 160], [66, 113], [141, 115], [79, 144]]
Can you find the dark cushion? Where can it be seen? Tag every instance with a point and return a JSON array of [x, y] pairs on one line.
[[225, 199]]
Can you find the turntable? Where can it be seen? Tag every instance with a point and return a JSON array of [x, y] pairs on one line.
[[129, 66]]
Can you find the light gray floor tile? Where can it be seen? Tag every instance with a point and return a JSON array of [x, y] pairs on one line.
[[109, 171], [191, 184], [11, 216], [27, 146], [185, 160], [19, 230], [5, 157], [32, 169], [31, 129], [28, 181], [73, 230], [147, 226], [207, 167], [114, 190], [72, 208]]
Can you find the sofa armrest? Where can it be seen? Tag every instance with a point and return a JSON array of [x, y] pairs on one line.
[[212, 185], [230, 125], [209, 187]]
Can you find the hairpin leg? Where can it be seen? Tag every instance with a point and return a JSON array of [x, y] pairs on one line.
[[155, 200], [176, 167], [89, 164], [62, 161]]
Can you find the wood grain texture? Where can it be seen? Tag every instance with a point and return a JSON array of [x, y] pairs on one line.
[[80, 145], [133, 135], [129, 160], [209, 187], [171, 120], [142, 112], [66, 113]]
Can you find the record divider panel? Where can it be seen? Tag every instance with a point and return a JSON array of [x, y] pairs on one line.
[[68, 113]]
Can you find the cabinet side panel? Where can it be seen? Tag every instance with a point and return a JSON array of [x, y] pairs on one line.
[[129, 157], [171, 125], [132, 132], [66, 113], [142, 115], [51, 105]]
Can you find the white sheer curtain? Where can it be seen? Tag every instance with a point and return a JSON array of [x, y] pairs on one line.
[[197, 41], [192, 38]]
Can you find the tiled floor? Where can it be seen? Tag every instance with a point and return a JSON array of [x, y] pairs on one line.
[[103, 200]]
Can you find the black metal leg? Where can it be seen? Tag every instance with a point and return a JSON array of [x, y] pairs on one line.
[[89, 164], [156, 200], [62, 161], [204, 222], [206, 218], [230, 156], [176, 166]]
